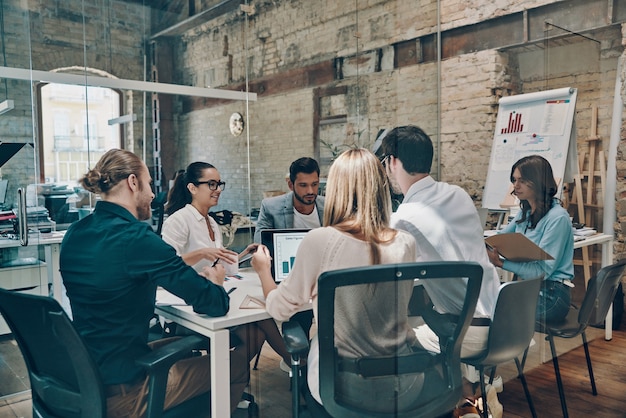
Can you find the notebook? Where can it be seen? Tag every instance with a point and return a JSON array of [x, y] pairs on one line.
[[283, 245]]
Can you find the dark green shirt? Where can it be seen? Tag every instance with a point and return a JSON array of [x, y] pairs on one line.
[[111, 264]]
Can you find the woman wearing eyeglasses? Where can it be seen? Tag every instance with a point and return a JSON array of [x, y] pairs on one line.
[[197, 238], [194, 193]]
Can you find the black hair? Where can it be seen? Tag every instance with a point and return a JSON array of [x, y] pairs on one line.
[[304, 165], [411, 145], [179, 195]]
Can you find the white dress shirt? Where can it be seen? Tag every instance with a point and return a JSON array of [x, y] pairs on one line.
[[445, 224]]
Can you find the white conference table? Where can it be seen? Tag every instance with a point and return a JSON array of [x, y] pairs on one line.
[[216, 329]]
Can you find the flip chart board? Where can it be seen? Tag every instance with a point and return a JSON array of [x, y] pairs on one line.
[[539, 123]]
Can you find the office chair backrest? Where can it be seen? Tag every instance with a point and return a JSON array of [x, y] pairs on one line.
[[513, 321], [158, 204], [442, 373], [64, 379], [600, 293]]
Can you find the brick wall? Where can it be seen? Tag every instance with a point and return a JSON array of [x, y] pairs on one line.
[[277, 44], [281, 36]]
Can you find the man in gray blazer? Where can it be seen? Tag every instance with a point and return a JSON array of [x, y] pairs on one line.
[[300, 208]]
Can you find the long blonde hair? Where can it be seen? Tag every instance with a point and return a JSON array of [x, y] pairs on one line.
[[358, 199]]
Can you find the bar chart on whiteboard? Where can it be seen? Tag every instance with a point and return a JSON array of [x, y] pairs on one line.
[[515, 123], [538, 123]]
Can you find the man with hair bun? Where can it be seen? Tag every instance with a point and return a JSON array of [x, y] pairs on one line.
[[111, 263]]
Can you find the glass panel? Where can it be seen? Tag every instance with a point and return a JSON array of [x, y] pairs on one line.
[[330, 77], [24, 261], [73, 137]]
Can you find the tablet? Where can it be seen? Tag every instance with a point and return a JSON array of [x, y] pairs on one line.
[[283, 245]]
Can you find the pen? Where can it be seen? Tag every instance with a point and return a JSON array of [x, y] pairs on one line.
[[215, 262], [232, 289]]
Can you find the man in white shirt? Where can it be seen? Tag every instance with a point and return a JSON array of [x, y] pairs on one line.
[[445, 223], [300, 208]]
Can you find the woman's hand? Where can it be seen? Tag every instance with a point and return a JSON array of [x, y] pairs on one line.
[[494, 256], [262, 264], [215, 273], [227, 256], [249, 249], [261, 260]]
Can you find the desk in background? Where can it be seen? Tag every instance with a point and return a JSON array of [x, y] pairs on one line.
[[33, 268]]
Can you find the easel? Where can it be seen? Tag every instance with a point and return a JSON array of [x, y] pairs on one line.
[[586, 179]]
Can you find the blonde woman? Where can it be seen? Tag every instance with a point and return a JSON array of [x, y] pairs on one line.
[[356, 233]]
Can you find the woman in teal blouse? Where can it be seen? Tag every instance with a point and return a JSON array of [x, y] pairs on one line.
[[545, 222]]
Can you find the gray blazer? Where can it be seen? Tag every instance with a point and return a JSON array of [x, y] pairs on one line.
[[277, 213]]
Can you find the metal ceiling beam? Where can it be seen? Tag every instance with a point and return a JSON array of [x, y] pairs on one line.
[[121, 84]]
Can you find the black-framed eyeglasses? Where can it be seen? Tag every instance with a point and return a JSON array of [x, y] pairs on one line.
[[384, 158], [213, 185]]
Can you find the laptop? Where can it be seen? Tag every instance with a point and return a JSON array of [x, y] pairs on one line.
[[282, 245]]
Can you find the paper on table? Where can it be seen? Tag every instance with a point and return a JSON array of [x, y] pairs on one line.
[[516, 247], [251, 302], [165, 298]]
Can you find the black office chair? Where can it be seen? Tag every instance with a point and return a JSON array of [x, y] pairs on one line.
[[511, 330], [158, 206], [441, 372], [65, 381], [598, 298]]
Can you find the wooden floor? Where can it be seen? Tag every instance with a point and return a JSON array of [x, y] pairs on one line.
[[271, 386], [609, 367]]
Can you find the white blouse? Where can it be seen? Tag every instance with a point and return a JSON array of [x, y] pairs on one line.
[[186, 230]]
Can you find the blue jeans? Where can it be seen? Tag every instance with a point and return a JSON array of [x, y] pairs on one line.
[[554, 301]]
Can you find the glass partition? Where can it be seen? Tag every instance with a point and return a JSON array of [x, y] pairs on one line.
[[221, 82], [314, 98]]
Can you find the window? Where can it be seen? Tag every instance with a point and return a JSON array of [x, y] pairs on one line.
[[75, 130]]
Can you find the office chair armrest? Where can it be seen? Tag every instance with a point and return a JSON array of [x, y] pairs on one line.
[[295, 339], [157, 364], [165, 356]]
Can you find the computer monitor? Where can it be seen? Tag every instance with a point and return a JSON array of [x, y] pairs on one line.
[[282, 245]]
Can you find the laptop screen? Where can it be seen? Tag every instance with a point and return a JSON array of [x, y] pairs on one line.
[[283, 245]]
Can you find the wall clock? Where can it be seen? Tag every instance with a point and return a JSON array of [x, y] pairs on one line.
[[236, 124]]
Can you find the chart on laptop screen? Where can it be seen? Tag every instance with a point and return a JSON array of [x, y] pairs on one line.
[[285, 249]]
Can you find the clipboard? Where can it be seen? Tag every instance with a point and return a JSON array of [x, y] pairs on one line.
[[250, 302], [516, 247]]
